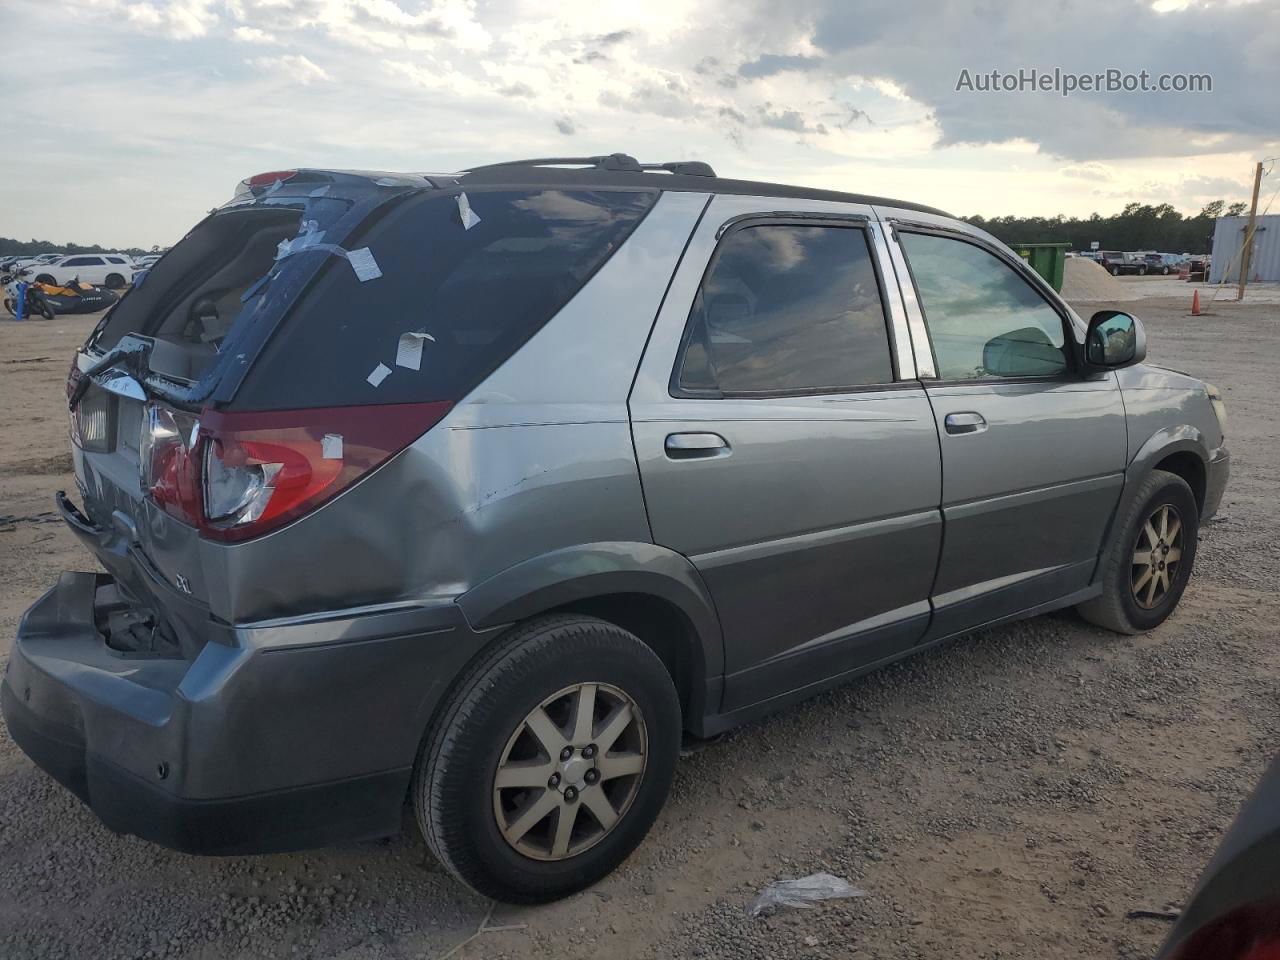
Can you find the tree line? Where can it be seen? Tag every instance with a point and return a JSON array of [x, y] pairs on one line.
[[1139, 226], [10, 247]]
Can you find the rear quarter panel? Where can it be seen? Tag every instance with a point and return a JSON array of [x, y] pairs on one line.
[[537, 458]]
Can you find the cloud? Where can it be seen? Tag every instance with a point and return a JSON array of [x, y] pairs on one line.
[[759, 89], [768, 64], [924, 48], [176, 19], [790, 120], [292, 66], [1088, 171], [253, 35]]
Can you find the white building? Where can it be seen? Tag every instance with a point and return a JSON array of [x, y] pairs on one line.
[[1228, 237]]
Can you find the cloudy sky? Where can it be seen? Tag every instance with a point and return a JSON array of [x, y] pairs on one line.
[[130, 118]]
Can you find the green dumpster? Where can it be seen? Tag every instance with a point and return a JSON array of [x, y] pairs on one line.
[[1046, 259]]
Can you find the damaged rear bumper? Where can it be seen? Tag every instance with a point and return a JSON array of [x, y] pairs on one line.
[[277, 736]]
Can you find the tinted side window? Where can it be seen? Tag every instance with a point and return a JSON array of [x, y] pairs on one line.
[[787, 308], [82, 262], [476, 295], [984, 319]]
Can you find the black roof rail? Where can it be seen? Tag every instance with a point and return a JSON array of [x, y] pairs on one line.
[[613, 161]]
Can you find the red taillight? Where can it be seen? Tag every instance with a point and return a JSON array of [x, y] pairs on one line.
[[169, 463], [260, 471], [267, 179]]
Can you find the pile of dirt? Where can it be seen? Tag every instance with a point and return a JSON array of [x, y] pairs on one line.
[[1084, 279]]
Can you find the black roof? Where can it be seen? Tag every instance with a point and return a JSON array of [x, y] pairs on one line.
[[619, 170]]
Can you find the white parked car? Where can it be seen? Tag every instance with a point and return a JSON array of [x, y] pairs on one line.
[[113, 270], [32, 263]]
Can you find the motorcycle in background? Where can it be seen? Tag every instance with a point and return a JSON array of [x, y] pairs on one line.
[[25, 299], [48, 299]]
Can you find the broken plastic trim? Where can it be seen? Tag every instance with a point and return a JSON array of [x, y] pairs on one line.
[[130, 354]]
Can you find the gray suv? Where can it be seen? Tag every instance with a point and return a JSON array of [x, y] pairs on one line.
[[478, 491]]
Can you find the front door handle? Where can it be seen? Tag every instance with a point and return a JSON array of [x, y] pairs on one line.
[[693, 446], [966, 422]]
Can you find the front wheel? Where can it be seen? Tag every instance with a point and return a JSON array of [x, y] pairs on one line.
[[550, 760], [11, 305], [1148, 563], [1114, 271]]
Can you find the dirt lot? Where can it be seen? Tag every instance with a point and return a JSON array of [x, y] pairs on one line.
[[1010, 795]]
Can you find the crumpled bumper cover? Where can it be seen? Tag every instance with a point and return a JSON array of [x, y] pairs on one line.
[[238, 751]]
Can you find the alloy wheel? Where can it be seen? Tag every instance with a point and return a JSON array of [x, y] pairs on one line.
[[570, 771], [1156, 555]]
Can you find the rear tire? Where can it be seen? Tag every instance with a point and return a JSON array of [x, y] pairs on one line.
[[1139, 596], [497, 838], [114, 281], [46, 278], [43, 308]]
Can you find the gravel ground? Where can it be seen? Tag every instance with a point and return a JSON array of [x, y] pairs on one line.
[[1009, 795]]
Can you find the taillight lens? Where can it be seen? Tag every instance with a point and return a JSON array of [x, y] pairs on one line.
[[263, 470], [91, 421], [168, 461], [272, 176]]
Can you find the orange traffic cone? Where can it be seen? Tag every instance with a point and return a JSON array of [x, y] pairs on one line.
[[1195, 304]]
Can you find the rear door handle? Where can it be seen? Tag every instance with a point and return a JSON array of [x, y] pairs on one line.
[[695, 446], [966, 422]]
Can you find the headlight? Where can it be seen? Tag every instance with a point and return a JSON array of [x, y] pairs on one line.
[[1219, 407]]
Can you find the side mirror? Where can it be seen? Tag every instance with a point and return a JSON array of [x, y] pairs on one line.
[[1115, 339]]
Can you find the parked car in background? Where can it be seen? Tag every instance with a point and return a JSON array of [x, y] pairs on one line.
[[36, 260], [1163, 263], [346, 557], [111, 270], [1116, 263], [145, 262]]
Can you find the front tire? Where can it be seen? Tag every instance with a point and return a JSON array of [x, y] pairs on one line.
[[1147, 565], [550, 759]]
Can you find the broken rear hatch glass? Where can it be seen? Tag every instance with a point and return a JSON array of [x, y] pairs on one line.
[[180, 340]]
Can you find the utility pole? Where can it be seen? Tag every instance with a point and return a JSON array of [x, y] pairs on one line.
[[1248, 233]]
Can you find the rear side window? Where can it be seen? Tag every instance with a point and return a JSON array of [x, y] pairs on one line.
[[472, 295], [787, 309], [82, 262], [984, 319]]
